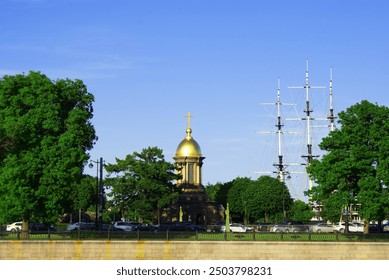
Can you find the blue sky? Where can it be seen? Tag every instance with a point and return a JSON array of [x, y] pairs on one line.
[[150, 62]]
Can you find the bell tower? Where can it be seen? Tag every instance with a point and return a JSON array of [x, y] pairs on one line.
[[192, 204], [189, 160]]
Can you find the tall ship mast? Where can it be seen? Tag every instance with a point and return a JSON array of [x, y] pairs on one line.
[[280, 164], [307, 119], [282, 173], [331, 116]]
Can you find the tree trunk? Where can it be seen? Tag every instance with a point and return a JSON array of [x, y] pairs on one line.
[[25, 234], [346, 225], [366, 227], [379, 227]]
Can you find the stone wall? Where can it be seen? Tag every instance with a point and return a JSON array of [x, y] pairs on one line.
[[195, 250]]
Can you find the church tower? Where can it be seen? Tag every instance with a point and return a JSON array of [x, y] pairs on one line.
[[192, 201], [189, 161]]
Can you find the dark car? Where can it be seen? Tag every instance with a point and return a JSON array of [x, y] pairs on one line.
[[40, 227], [199, 228], [373, 228], [144, 228], [81, 226], [179, 226], [127, 226]]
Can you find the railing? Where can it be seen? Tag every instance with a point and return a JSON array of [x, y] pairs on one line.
[[195, 236]]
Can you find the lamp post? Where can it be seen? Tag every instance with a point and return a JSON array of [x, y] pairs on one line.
[[99, 192]]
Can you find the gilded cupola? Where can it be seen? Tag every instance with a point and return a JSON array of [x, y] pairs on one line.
[[188, 147]]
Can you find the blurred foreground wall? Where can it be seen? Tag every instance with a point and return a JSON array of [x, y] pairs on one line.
[[191, 250]]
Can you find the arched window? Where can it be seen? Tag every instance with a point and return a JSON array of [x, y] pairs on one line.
[[190, 173]]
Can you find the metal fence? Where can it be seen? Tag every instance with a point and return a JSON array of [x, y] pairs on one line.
[[195, 236]]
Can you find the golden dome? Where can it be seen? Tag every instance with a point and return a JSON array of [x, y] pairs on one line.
[[188, 147]]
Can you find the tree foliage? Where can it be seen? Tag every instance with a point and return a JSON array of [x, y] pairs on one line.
[[271, 198], [45, 133], [263, 199], [221, 195], [142, 183], [354, 169], [300, 211], [238, 198], [84, 194], [211, 190]]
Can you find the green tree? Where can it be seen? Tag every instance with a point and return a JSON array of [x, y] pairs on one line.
[[238, 198], [354, 169], [142, 183], [45, 133], [84, 195], [211, 190], [222, 193], [300, 211], [270, 199], [263, 199], [333, 207]]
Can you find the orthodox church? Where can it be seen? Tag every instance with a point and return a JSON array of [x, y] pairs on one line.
[[192, 205]]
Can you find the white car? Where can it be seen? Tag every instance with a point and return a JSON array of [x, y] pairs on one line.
[[352, 227], [322, 227], [17, 226], [236, 228], [290, 227]]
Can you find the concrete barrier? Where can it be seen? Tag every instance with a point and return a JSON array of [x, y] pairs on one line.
[[192, 250]]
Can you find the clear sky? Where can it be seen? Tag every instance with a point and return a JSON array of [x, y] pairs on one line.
[[150, 62]]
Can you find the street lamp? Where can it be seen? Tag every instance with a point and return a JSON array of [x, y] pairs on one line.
[[99, 192]]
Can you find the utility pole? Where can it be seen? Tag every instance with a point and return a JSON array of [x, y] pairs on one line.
[[99, 192], [101, 196]]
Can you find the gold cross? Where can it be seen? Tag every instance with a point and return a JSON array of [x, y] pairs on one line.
[[189, 117]]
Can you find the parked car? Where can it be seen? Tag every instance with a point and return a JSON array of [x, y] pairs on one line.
[[14, 227], [81, 225], [322, 227], [236, 228], [263, 227], [200, 228], [290, 226], [34, 227], [178, 226], [373, 228], [385, 227], [352, 227], [218, 226], [144, 228], [127, 226]]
